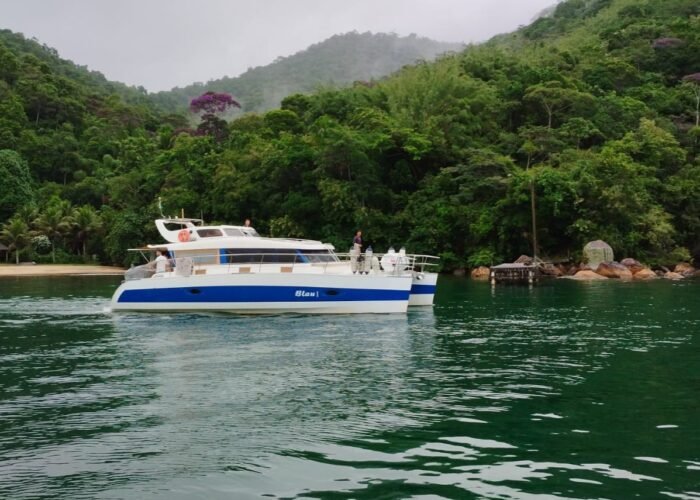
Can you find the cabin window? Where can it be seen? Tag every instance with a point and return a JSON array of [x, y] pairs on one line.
[[259, 255], [209, 233], [232, 231], [199, 257]]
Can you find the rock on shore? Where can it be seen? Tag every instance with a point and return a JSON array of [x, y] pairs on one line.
[[645, 274], [480, 273], [587, 275], [614, 270], [627, 269]]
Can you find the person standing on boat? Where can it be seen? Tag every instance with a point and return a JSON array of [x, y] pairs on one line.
[[356, 251], [161, 261], [246, 223], [357, 242]]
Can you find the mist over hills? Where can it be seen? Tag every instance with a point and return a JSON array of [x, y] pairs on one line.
[[337, 61]]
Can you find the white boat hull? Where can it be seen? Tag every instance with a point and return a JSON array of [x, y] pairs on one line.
[[261, 293], [423, 289]]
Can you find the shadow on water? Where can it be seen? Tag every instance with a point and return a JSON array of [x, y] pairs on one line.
[[562, 390]]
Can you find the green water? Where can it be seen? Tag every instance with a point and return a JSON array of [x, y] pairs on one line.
[[566, 390]]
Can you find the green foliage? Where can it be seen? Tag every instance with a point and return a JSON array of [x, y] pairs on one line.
[[17, 189], [55, 222], [594, 109], [15, 234]]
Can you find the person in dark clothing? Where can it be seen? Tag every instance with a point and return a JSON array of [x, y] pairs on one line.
[[356, 252], [357, 242]]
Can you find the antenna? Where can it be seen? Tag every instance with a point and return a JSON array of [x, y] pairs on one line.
[[160, 208]]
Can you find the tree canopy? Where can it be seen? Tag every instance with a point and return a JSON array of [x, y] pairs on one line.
[[594, 107]]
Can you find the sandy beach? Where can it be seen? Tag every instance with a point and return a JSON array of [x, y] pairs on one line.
[[57, 270]]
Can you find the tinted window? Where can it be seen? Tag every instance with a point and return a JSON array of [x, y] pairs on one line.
[[208, 233], [259, 255]]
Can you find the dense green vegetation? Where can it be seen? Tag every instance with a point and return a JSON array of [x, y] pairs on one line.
[[595, 106], [338, 61]]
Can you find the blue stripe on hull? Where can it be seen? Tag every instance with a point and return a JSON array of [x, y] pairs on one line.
[[205, 294], [421, 289]]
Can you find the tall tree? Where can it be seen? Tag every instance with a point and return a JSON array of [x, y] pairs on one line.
[[692, 82], [16, 182], [210, 104], [15, 233], [55, 222], [86, 223]]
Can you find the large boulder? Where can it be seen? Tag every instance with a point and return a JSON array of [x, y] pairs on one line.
[[573, 270], [632, 264], [614, 270], [480, 273], [587, 275], [673, 276], [645, 274], [685, 269], [551, 270], [596, 252]]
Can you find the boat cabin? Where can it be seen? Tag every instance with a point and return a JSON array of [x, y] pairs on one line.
[[224, 244]]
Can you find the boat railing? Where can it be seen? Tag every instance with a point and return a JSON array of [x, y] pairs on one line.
[[396, 264], [423, 263]]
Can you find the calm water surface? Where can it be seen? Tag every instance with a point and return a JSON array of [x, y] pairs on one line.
[[567, 390]]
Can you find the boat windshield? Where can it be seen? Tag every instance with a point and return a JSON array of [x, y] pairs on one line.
[[318, 255]]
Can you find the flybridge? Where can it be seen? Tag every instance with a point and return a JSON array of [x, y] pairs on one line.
[[192, 229]]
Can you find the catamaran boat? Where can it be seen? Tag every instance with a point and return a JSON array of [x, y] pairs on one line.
[[233, 269]]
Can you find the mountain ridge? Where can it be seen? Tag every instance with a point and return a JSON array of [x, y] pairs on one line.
[[336, 61]]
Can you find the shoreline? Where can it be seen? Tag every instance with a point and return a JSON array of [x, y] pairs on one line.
[[13, 270]]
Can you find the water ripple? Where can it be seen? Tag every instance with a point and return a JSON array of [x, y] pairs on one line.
[[562, 391]]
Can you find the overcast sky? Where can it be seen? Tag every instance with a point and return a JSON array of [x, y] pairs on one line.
[[160, 44]]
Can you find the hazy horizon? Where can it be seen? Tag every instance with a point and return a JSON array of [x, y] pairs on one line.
[[161, 44]]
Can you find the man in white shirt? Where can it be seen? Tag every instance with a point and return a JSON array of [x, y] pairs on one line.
[[162, 263]]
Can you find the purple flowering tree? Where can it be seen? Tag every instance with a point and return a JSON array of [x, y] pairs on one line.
[[213, 102], [692, 81], [209, 105]]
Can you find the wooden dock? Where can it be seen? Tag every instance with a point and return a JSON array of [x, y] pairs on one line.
[[514, 273]]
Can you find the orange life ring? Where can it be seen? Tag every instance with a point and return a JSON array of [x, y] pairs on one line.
[[183, 235]]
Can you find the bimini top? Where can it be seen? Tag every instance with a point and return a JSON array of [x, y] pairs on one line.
[[187, 235]]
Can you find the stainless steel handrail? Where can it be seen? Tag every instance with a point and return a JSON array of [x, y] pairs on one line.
[[403, 263]]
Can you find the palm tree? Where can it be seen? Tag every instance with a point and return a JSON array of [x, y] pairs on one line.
[[28, 213], [15, 233], [54, 222], [86, 222]]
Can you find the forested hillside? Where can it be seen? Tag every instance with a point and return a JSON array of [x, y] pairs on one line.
[[596, 107], [338, 61]]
